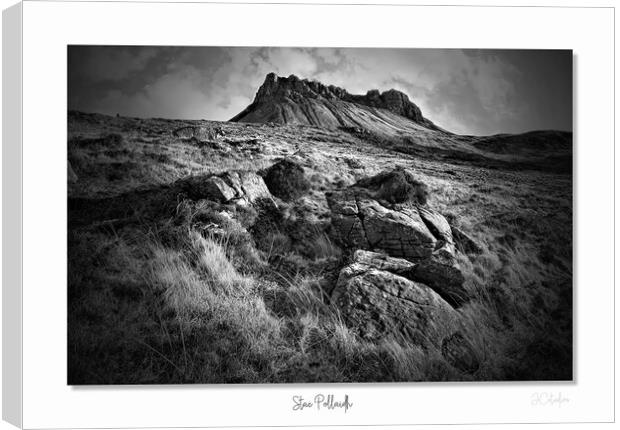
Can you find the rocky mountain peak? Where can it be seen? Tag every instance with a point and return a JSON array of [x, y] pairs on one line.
[[393, 100], [301, 101], [277, 87]]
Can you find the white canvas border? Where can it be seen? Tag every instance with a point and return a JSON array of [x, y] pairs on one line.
[[49, 27]]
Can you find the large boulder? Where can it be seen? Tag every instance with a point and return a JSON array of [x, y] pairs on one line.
[[364, 223], [286, 179], [233, 186], [377, 303], [409, 230], [214, 188], [443, 277], [248, 184]]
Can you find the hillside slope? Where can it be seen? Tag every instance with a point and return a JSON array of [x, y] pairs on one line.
[[168, 283]]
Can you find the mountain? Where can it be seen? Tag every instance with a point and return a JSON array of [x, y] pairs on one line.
[[292, 100], [391, 121]]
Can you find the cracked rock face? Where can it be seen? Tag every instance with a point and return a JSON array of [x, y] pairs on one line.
[[377, 303], [443, 278], [234, 186], [410, 231], [384, 262], [364, 223]]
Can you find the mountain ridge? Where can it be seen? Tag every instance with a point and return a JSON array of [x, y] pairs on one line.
[[291, 100]]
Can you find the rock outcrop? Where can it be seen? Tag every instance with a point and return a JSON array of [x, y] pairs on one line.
[[409, 230], [377, 303], [364, 223], [231, 187]]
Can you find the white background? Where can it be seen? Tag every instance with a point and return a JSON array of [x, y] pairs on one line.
[[49, 27]]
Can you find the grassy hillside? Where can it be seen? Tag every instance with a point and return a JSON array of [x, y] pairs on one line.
[[164, 288]]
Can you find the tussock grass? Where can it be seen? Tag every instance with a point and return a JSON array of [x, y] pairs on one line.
[[193, 281], [198, 318], [322, 247]]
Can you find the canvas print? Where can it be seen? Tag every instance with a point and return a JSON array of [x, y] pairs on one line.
[[298, 215]]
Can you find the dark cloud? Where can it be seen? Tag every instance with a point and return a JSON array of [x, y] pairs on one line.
[[466, 91]]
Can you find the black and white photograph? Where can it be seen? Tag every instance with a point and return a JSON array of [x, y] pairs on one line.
[[267, 215]]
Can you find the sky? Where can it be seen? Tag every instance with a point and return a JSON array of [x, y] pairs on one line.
[[478, 92]]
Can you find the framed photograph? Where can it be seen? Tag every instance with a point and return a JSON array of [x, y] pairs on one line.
[[248, 215]]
